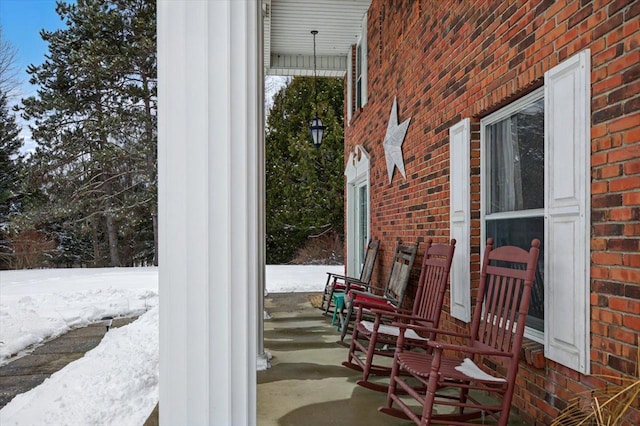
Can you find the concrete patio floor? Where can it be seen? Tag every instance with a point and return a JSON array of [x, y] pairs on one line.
[[306, 384]]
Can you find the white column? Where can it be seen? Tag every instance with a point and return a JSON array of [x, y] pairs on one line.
[[208, 73], [263, 358]]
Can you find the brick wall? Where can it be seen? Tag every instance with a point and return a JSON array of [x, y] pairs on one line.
[[445, 61]]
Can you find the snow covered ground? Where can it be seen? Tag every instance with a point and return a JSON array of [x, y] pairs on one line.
[[117, 382]]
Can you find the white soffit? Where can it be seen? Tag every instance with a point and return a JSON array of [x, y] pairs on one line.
[[288, 43]]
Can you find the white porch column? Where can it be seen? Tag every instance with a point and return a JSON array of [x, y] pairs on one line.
[[208, 159]]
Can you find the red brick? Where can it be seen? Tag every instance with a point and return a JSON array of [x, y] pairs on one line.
[[622, 334], [599, 328], [599, 272], [604, 258], [631, 259], [623, 123], [598, 131], [624, 305], [624, 214], [606, 316], [632, 136], [610, 171], [632, 167], [607, 85], [625, 153], [631, 198], [599, 187], [623, 63], [631, 229], [632, 322], [625, 275]]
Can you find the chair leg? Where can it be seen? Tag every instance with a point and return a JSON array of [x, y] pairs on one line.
[[395, 372], [354, 338], [330, 298], [432, 387], [347, 320], [371, 348]]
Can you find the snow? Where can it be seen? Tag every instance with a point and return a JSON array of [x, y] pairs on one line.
[[116, 383], [40, 304], [392, 330], [470, 369], [296, 278]]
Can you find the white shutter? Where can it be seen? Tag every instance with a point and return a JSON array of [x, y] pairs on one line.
[[459, 140], [364, 53], [349, 85], [567, 207]]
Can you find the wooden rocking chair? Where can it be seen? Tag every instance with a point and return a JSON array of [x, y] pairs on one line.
[[394, 292], [370, 336], [341, 283], [496, 331]]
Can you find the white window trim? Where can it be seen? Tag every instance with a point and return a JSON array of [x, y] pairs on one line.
[[501, 114], [357, 173]]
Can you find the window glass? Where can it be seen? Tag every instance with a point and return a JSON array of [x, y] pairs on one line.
[[520, 232], [516, 146], [363, 219]]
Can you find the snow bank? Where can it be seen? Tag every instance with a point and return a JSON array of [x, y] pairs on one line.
[[298, 278], [36, 305], [114, 384]]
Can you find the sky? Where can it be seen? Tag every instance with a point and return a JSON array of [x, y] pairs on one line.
[[117, 382], [21, 22]]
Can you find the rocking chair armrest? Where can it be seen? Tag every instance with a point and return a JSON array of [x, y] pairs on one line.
[[350, 280], [399, 315], [334, 276], [467, 349], [402, 326]]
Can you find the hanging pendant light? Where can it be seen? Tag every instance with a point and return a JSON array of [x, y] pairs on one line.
[[316, 127]]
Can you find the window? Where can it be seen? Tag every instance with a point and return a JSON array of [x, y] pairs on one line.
[[362, 221], [357, 77], [357, 174], [513, 186], [361, 66], [535, 183]]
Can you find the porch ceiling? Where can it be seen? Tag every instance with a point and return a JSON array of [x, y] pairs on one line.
[[288, 43]]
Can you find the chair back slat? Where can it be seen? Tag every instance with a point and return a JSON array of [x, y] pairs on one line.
[[432, 284], [369, 261], [400, 273], [504, 296]]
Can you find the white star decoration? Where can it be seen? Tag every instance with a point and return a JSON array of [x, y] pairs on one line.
[[393, 142]]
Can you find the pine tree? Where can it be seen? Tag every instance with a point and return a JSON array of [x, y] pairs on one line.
[[95, 124], [304, 184], [10, 144]]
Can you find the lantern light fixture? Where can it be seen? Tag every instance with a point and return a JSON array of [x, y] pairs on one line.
[[316, 127]]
